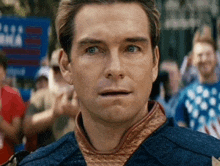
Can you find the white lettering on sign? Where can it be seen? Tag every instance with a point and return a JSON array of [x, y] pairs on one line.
[[16, 71], [11, 36]]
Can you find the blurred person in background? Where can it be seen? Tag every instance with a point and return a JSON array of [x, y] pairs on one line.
[[9, 81], [198, 106], [169, 77], [47, 106], [12, 110], [172, 68], [41, 82], [189, 72], [42, 78]]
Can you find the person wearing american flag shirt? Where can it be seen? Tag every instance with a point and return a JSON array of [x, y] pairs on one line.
[[199, 102]]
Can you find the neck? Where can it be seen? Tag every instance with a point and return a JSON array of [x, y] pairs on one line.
[[210, 79], [105, 136]]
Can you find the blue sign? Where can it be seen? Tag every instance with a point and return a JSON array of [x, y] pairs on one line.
[[25, 42]]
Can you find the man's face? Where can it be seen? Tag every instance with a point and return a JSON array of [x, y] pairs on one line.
[[112, 64], [2, 74], [204, 58]]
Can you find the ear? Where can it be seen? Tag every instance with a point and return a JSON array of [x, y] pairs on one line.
[[65, 67], [155, 63]]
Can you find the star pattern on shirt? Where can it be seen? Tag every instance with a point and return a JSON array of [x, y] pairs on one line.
[[203, 106]]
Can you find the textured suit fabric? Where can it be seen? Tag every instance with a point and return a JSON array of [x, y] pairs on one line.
[[168, 145]]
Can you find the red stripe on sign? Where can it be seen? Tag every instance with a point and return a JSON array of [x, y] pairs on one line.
[[20, 51], [24, 62], [33, 42], [34, 30]]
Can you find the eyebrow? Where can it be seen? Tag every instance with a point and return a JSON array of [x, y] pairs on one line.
[[87, 41], [137, 39]]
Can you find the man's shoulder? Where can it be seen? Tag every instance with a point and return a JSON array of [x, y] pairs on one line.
[[55, 153], [192, 140], [217, 85], [172, 145], [185, 92], [191, 86], [10, 90]]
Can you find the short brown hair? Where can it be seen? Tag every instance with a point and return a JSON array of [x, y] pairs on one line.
[[204, 35], [68, 9], [209, 41]]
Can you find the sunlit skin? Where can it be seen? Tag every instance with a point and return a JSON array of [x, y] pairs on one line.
[[111, 66], [204, 58]]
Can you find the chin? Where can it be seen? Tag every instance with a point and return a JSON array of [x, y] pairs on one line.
[[118, 114], [112, 114], [207, 75]]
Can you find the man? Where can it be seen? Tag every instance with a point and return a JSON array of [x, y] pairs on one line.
[[198, 106], [12, 109], [110, 55], [188, 71], [40, 116]]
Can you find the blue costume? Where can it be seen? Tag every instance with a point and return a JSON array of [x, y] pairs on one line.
[[161, 144], [199, 108], [169, 146]]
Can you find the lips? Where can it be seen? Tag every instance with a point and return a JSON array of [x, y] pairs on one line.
[[204, 66], [114, 92]]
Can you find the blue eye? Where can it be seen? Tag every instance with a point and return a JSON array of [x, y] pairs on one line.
[[133, 49], [92, 50]]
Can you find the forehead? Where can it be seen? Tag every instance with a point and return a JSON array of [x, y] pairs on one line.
[[120, 19], [201, 47]]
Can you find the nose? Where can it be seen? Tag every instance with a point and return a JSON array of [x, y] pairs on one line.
[[114, 67], [204, 57]]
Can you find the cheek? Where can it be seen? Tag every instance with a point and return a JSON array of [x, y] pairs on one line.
[[84, 80], [141, 69], [215, 60], [195, 62], [142, 75]]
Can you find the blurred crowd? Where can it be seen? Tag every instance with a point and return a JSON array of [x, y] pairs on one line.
[[47, 116], [189, 93]]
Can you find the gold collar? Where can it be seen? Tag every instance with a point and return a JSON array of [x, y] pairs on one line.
[[129, 143]]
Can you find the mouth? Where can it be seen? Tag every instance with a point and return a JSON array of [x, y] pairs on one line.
[[204, 66], [114, 93]]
